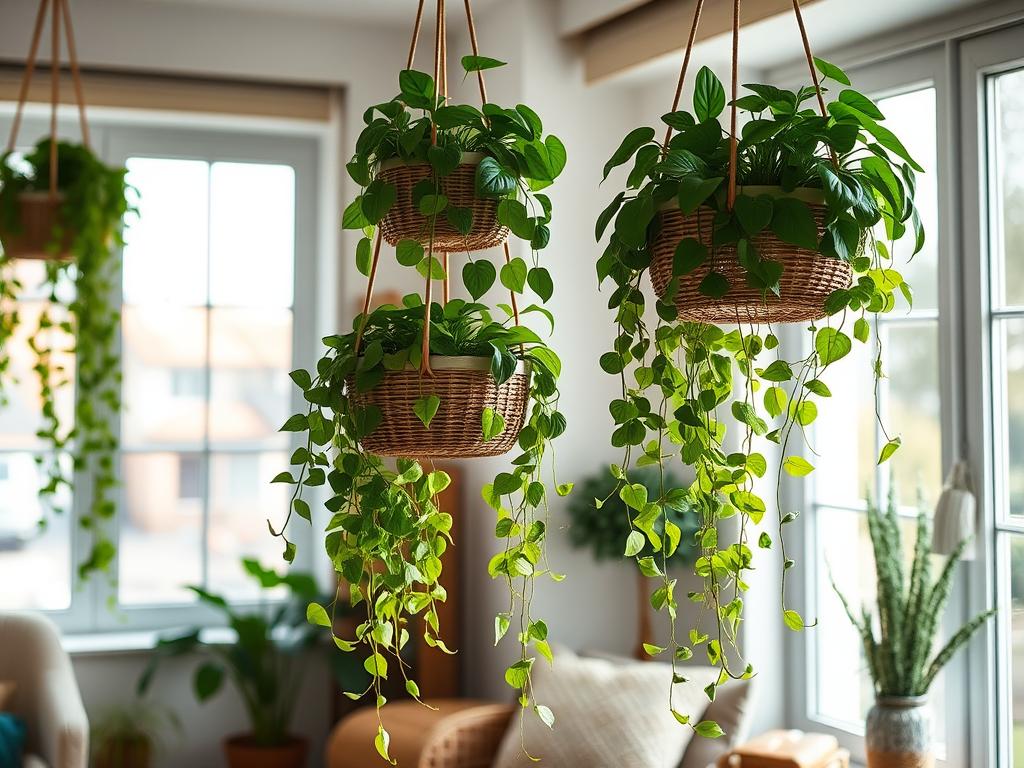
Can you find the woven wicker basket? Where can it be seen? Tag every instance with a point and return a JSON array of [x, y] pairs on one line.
[[807, 279], [465, 387], [405, 222], [38, 216]]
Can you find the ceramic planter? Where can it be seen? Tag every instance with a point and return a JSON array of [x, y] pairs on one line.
[[124, 753], [33, 238], [899, 733], [242, 751]]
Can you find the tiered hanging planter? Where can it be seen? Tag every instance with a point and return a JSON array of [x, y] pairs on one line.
[[742, 230], [438, 377], [66, 209]]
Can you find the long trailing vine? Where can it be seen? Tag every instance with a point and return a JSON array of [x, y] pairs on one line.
[[83, 322], [388, 529], [682, 381]]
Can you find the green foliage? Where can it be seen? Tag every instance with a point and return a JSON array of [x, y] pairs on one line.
[[388, 530], [706, 396], [84, 321], [901, 657], [263, 663], [600, 519], [119, 729]]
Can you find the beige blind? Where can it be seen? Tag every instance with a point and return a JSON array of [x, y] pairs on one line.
[[160, 92], [661, 27]]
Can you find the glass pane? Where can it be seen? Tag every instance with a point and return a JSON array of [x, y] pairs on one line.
[[161, 528], [166, 244], [1010, 354], [252, 234], [912, 117], [845, 467], [911, 354], [35, 565], [241, 501], [164, 376], [250, 356], [1006, 156], [1016, 640]]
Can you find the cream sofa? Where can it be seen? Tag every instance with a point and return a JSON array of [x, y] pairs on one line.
[[47, 696]]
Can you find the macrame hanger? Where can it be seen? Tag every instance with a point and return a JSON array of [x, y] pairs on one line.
[[813, 69], [444, 102], [682, 70], [733, 139], [483, 100]]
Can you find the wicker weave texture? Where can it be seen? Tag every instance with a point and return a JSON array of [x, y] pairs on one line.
[[455, 431], [807, 279], [405, 222], [472, 743], [38, 217]]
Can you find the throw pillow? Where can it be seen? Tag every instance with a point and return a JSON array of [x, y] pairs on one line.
[[607, 715], [12, 741]]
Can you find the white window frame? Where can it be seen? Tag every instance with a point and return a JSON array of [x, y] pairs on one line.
[[117, 135]]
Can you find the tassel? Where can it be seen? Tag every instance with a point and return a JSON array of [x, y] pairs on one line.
[[955, 514]]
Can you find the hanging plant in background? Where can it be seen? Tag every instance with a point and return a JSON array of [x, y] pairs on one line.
[[792, 220], [62, 205], [436, 379]]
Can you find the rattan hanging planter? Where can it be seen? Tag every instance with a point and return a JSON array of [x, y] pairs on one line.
[[465, 387], [405, 222], [808, 277], [38, 232]]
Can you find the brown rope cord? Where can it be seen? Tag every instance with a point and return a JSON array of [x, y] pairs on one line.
[[686, 64], [439, 42], [733, 140], [444, 100], [368, 297], [54, 92], [415, 35], [26, 79], [76, 75], [814, 70]]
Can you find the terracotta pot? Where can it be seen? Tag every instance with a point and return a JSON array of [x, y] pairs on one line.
[[243, 752], [898, 733], [124, 753], [38, 217]]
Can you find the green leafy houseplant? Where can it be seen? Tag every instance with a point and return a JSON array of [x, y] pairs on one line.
[[901, 657], [263, 662], [129, 736], [681, 380], [83, 321]]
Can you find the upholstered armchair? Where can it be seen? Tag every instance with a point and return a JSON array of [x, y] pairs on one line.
[[46, 696]]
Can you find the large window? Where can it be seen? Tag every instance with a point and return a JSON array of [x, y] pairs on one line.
[[222, 244]]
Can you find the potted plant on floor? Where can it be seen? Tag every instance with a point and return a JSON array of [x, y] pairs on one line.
[[901, 656], [791, 220], [264, 663], [129, 736], [600, 522]]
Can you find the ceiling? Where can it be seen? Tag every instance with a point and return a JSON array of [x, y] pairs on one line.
[[377, 11]]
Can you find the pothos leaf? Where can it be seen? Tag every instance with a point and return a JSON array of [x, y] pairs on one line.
[[492, 423], [425, 408]]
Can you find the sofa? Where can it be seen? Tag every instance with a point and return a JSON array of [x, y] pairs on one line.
[[46, 695]]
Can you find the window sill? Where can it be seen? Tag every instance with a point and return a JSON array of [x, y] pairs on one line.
[[124, 643]]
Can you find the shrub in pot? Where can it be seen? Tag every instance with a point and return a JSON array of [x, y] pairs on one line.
[[900, 656], [263, 662], [794, 220], [129, 736], [77, 231]]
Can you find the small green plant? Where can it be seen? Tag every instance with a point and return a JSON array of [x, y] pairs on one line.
[[123, 736], [683, 382], [83, 321], [263, 663], [901, 658]]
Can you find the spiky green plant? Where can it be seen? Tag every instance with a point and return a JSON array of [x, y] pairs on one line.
[[900, 659]]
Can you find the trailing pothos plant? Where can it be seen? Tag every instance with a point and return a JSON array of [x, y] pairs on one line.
[[82, 321], [681, 381], [420, 126], [388, 530]]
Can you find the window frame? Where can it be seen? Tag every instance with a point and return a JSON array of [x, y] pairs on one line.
[[117, 135]]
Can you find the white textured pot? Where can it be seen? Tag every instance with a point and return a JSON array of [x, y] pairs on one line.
[[899, 733]]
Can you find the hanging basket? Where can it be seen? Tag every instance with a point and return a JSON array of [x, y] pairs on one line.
[[405, 222], [38, 233], [465, 387], [808, 278]]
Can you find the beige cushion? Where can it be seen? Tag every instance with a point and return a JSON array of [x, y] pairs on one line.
[[7, 688], [732, 709], [33, 761], [608, 714]]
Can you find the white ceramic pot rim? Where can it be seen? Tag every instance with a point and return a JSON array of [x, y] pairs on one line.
[[901, 702], [468, 158], [811, 195]]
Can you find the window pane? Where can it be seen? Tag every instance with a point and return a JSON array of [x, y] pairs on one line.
[[912, 117], [166, 244], [1009, 352], [164, 364], [241, 501], [161, 528], [1006, 157], [911, 354], [35, 565], [250, 356], [252, 235], [1016, 641]]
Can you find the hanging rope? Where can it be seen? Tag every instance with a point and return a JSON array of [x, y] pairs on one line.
[[814, 70], [415, 35], [733, 140], [369, 293], [686, 64], [54, 92]]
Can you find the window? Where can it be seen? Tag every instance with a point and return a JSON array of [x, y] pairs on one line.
[[222, 244]]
